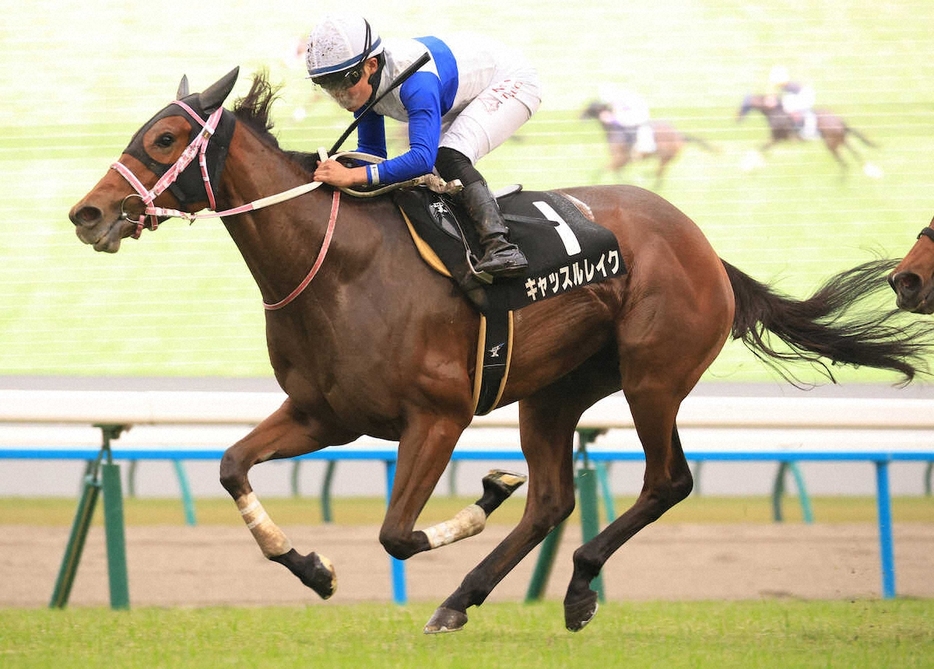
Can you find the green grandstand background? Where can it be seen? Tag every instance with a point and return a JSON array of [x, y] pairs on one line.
[[79, 78]]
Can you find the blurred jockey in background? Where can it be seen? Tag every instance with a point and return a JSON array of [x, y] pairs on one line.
[[630, 112], [796, 100]]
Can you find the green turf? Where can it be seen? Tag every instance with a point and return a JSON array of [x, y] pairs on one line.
[[181, 302], [860, 634]]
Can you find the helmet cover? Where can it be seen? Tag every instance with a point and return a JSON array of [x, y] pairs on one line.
[[339, 43]]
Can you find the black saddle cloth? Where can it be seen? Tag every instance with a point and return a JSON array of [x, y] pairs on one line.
[[564, 248]]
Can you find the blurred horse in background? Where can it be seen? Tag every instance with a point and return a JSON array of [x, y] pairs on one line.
[[621, 140], [831, 128]]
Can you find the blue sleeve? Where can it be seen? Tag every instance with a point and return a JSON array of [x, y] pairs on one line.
[[371, 135], [421, 96]]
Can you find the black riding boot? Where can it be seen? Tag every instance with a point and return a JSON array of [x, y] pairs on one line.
[[501, 258]]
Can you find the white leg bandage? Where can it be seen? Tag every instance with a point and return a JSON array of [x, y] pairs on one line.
[[272, 541], [466, 523]]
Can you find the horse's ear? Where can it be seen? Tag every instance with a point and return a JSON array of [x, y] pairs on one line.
[[214, 96], [182, 88]]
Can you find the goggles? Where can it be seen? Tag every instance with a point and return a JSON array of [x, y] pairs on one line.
[[339, 81]]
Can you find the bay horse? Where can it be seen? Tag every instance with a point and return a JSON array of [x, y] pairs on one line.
[[913, 277], [831, 128], [371, 341], [669, 142]]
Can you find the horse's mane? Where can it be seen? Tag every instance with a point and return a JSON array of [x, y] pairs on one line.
[[253, 110]]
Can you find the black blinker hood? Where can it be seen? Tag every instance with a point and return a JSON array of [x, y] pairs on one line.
[[189, 188]]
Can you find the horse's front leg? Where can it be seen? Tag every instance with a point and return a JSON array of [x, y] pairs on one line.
[[663, 162], [285, 434], [424, 452]]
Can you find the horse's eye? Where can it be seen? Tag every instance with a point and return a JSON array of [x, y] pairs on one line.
[[165, 140]]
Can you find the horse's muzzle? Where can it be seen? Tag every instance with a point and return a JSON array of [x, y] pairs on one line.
[[911, 293], [93, 228]]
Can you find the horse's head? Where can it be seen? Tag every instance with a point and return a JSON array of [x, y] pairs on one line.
[[763, 103], [913, 278], [170, 163], [594, 109], [748, 105]]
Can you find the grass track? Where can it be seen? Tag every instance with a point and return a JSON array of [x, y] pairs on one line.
[[869, 634], [774, 633]]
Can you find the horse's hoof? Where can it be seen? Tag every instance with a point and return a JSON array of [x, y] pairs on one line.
[[446, 620], [498, 485], [507, 482], [318, 574], [313, 570], [578, 614]]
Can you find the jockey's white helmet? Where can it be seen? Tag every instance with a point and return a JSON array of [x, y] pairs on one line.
[[778, 76], [340, 42]]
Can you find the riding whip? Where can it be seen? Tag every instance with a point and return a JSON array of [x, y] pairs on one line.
[[408, 72]]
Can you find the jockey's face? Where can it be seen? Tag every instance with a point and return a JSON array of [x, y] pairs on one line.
[[354, 92]]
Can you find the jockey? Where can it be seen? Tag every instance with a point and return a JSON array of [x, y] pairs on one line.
[[630, 112], [796, 99], [467, 100]]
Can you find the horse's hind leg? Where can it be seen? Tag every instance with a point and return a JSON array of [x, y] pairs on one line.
[[548, 421], [667, 481], [284, 434], [665, 344], [659, 493], [663, 161], [833, 145], [868, 168], [852, 149]]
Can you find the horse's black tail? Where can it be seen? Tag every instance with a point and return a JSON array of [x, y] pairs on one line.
[[701, 142], [838, 324], [860, 136]]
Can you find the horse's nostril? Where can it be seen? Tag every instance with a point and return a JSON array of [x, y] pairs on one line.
[[85, 215], [905, 282]]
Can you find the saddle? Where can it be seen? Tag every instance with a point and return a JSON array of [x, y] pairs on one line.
[[565, 250]]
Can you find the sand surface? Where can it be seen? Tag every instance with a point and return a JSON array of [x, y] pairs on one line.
[[216, 565]]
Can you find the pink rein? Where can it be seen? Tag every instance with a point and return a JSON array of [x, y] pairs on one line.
[[199, 147], [332, 219]]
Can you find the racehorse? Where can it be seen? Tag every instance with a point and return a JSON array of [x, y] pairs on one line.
[[371, 341], [668, 142], [913, 277], [831, 128]]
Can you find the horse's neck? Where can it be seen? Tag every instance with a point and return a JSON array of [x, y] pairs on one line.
[[280, 241]]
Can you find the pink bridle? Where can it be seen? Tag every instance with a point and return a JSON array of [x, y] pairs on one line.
[[199, 147]]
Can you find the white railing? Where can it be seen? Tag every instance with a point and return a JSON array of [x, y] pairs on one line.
[[180, 407]]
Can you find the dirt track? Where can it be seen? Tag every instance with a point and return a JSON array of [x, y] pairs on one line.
[[213, 565]]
